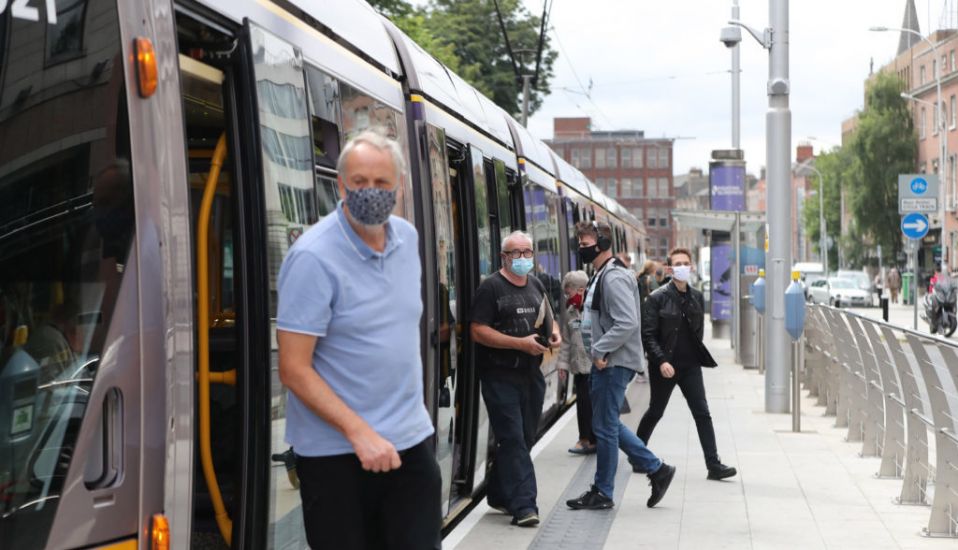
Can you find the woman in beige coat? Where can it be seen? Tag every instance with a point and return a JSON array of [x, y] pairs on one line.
[[574, 359]]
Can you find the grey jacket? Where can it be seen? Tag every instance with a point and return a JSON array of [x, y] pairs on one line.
[[616, 330], [572, 355]]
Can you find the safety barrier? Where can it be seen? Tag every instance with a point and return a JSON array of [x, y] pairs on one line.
[[892, 388]]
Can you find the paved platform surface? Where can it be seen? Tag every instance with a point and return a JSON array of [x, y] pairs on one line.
[[794, 490]]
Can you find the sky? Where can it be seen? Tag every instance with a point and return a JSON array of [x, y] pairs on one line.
[[659, 67]]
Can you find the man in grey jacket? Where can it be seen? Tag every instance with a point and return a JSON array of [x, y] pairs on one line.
[[610, 329]]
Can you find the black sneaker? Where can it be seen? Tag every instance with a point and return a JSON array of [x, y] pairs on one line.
[[720, 471], [593, 499], [660, 481], [529, 519]]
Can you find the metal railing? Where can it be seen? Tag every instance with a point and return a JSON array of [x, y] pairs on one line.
[[893, 388]]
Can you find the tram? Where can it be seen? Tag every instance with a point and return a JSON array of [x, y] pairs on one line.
[[157, 160]]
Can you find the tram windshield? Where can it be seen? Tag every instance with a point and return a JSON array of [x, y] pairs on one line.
[[66, 230]]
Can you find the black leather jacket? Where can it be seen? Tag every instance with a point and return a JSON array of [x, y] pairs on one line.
[[661, 319]]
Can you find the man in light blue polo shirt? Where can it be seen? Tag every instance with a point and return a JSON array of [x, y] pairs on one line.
[[348, 332]]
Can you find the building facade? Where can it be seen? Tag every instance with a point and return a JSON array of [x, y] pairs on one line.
[[691, 194], [635, 170]]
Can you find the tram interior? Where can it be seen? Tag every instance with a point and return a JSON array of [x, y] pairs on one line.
[[203, 73]]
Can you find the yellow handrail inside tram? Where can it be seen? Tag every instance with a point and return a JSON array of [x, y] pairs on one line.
[[203, 341]]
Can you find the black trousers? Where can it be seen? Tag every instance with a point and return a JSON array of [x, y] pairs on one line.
[[514, 407], [348, 508], [583, 407], [689, 380]]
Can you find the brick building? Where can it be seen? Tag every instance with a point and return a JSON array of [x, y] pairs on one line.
[[635, 170]]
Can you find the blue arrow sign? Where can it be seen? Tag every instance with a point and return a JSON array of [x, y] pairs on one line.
[[919, 186], [914, 225]]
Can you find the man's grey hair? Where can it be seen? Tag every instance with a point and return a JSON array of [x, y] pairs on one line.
[[377, 140], [514, 235], [575, 279]]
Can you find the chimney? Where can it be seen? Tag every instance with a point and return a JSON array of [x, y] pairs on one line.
[[803, 153], [571, 127]]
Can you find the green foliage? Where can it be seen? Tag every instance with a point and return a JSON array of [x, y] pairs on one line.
[[466, 37], [836, 166], [884, 145]]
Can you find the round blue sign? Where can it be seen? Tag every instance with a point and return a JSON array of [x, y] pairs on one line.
[[919, 186], [914, 225]]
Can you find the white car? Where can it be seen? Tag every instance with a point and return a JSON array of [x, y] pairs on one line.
[[842, 293]]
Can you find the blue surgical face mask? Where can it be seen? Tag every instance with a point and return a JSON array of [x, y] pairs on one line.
[[522, 266], [370, 205]]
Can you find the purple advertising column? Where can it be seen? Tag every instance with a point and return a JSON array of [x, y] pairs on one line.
[[726, 194]]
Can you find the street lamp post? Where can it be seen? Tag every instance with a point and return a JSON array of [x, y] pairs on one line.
[[942, 136], [822, 240], [778, 131]]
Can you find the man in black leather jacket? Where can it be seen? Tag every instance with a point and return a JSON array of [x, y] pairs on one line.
[[672, 332]]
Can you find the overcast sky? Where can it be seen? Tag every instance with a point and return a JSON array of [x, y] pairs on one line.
[[659, 67]]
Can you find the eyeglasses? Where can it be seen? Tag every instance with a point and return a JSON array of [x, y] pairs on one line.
[[516, 254]]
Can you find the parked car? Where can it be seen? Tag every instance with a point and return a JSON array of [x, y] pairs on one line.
[[838, 292], [861, 281]]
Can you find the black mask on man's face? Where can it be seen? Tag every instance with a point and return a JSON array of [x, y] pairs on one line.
[[589, 253]]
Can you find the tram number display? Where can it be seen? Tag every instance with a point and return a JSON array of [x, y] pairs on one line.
[[21, 9]]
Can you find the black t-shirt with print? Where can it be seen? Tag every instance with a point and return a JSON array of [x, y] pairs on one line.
[[511, 310]]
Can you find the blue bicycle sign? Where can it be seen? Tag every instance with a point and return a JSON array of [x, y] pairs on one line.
[[919, 186]]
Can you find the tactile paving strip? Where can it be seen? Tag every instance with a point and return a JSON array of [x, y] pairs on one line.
[[582, 529]]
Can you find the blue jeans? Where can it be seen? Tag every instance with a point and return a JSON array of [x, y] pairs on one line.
[[514, 408], [608, 392]]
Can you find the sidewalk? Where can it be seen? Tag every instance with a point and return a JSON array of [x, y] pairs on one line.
[[807, 490]]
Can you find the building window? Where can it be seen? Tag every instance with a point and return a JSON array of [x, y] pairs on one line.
[[921, 75], [600, 158], [950, 184], [65, 37], [582, 157], [934, 68], [663, 158], [953, 60], [921, 123], [610, 160], [637, 156], [663, 184], [652, 163], [627, 190], [626, 155], [638, 212], [613, 186], [664, 217], [652, 191], [953, 106]]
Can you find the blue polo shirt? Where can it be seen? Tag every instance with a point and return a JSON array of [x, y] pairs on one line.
[[364, 307]]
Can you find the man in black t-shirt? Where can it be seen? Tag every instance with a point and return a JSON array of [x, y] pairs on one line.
[[511, 322]]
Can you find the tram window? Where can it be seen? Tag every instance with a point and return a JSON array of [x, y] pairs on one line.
[[503, 196], [542, 218], [480, 191], [571, 215], [67, 225], [325, 115]]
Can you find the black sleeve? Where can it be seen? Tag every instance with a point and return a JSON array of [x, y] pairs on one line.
[[650, 330], [700, 333], [484, 309]]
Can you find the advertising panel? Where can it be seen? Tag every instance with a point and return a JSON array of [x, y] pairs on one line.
[[727, 186]]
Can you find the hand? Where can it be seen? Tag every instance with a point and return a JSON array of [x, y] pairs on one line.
[[531, 346], [667, 370], [555, 341], [601, 363], [375, 453]]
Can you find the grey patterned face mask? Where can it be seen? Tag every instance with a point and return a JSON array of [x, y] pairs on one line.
[[370, 205]]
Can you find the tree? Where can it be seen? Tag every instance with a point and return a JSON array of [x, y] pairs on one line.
[[884, 145], [466, 37], [836, 166], [472, 28]]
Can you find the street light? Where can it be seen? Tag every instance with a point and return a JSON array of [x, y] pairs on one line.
[[821, 218], [778, 159], [942, 128]]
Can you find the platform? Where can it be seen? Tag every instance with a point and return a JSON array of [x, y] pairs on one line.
[[808, 490]]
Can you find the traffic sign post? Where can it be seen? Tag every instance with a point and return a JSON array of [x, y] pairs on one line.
[[917, 193]]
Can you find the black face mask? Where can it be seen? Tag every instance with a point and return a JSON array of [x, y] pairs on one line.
[[589, 253]]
